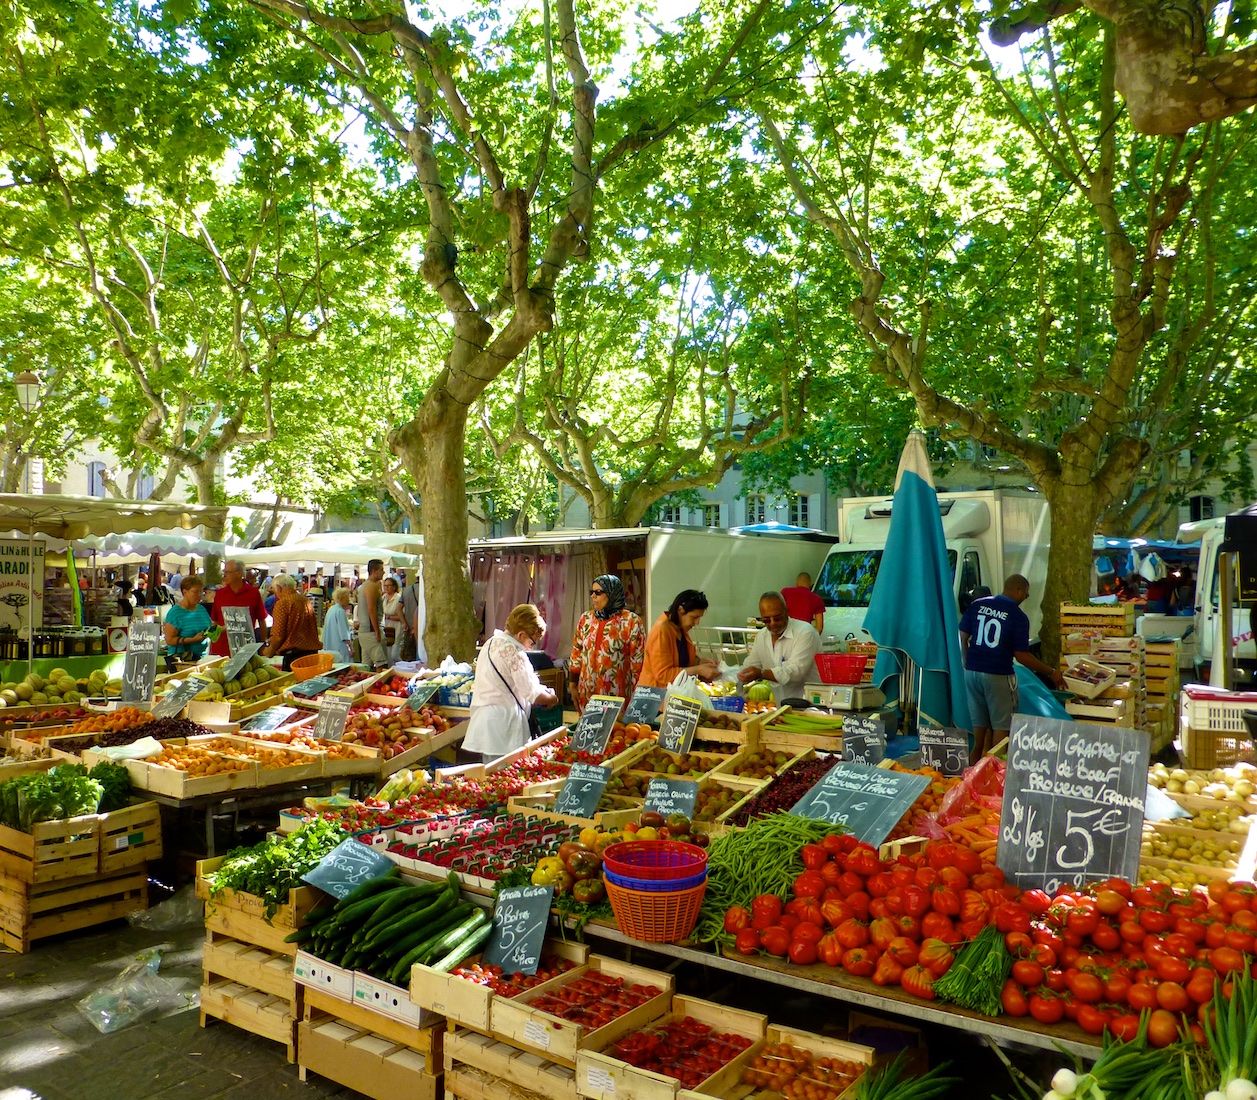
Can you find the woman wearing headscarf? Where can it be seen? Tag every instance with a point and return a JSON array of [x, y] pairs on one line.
[[608, 645]]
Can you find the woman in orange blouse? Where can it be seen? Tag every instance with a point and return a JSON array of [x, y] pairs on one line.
[[293, 631], [669, 649]]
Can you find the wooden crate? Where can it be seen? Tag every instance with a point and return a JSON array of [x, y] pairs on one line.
[[485, 1055], [249, 964], [517, 1023], [51, 850], [1113, 620], [253, 1010], [428, 1041], [33, 911], [1208, 749], [174, 783], [242, 916], [601, 1076], [11, 766], [467, 1003], [129, 836], [466, 1083], [268, 772], [538, 806], [363, 1061], [1118, 712], [819, 1046]]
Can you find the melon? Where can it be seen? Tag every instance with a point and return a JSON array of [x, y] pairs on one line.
[[39, 699], [24, 691]]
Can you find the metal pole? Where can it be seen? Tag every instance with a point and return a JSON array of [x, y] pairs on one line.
[[1226, 602]]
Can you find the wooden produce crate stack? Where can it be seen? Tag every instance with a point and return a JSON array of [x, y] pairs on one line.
[[1105, 633], [248, 968], [1109, 620], [75, 873], [1163, 684]]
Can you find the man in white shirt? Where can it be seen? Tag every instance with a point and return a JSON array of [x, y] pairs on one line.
[[784, 651]]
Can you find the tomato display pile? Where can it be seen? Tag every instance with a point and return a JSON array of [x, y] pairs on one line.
[[686, 1050], [512, 985], [798, 1074], [594, 999]]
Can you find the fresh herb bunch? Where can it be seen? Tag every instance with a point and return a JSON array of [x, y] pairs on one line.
[[273, 867], [61, 792], [115, 782], [889, 1083], [978, 974]]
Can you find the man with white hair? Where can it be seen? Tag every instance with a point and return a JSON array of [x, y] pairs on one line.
[[236, 591]]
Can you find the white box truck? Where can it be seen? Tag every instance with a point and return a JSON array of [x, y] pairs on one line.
[[732, 568], [1211, 533], [989, 533]]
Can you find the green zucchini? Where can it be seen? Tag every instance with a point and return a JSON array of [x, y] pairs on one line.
[[356, 914], [320, 913], [443, 923], [465, 948], [300, 935], [390, 878]]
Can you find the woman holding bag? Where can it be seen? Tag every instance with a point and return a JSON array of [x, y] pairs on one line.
[[608, 646], [506, 688]]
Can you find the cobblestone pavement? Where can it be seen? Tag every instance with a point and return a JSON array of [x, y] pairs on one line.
[[49, 1051]]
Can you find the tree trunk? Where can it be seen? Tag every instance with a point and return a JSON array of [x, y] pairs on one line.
[[433, 455], [1074, 515], [205, 475]]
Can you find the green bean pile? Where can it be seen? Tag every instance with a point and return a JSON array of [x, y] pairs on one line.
[[763, 858]]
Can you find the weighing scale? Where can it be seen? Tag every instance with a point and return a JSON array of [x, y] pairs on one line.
[[844, 696]]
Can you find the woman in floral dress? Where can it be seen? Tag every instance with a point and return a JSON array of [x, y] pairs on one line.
[[608, 646]]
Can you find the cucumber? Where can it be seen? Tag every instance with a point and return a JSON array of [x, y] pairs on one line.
[[389, 879], [435, 929], [357, 913], [424, 950], [300, 935], [393, 950], [457, 934], [414, 918], [464, 948], [397, 900], [320, 913]]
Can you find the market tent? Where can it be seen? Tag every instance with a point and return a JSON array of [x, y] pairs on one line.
[[314, 551], [143, 543], [72, 518]]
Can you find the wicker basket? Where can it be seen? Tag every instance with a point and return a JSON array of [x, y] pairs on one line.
[[655, 916], [306, 668]]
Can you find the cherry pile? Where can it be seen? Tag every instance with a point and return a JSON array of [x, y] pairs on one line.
[[512, 985], [594, 999], [685, 1049]]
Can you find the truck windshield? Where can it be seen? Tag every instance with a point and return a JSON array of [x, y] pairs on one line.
[[847, 577]]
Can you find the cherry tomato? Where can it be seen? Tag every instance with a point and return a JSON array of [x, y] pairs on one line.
[[1013, 1000]]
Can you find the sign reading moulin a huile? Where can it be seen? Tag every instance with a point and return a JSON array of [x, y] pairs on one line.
[[19, 562]]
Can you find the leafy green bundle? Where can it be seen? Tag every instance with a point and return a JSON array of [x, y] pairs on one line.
[[274, 866], [61, 792]]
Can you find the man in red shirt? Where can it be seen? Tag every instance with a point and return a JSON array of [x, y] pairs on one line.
[[236, 592], [804, 604]]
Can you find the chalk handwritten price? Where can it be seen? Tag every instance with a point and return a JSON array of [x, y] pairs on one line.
[[593, 731], [421, 695], [238, 622], [179, 697], [330, 724], [680, 720], [944, 750], [139, 671], [519, 929], [868, 801], [348, 866], [644, 707], [240, 657], [579, 795]]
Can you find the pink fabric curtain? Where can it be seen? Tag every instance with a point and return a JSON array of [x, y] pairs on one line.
[[548, 592], [506, 583]]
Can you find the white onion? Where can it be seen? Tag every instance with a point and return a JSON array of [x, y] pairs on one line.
[[1214, 1095], [1065, 1082], [1241, 1089]]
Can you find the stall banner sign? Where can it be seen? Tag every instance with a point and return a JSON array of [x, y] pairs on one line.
[[139, 670], [330, 724], [177, 698], [421, 695], [645, 705], [520, 917], [19, 562], [581, 790], [240, 657], [346, 867], [238, 623], [593, 730], [680, 720], [671, 796], [944, 749], [1073, 803], [868, 801], [269, 719]]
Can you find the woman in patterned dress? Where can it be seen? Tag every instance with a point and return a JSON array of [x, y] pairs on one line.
[[608, 645]]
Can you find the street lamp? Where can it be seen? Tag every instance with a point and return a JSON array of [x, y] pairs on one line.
[[27, 386]]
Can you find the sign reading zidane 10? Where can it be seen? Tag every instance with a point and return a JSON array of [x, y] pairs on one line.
[[19, 561]]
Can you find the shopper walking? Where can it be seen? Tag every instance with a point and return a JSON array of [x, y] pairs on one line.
[[669, 648], [609, 645], [237, 592], [187, 623], [993, 633], [338, 635], [394, 622], [506, 687], [294, 633], [371, 616]]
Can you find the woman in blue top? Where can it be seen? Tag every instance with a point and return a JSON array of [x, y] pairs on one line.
[[187, 623]]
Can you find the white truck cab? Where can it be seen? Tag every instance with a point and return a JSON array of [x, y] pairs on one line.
[[1211, 533]]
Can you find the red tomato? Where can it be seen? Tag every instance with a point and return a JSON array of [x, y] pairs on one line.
[[776, 940], [1172, 997], [881, 931], [736, 919], [1162, 1028], [887, 972], [968, 861], [1240, 941], [908, 926], [1124, 1028], [1141, 996], [1106, 937], [860, 962], [1082, 920], [1155, 920], [1043, 955], [903, 950], [849, 883], [1116, 988], [803, 952], [838, 843], [1132, 931], [852, 933], [878, 908], [810, 884], [1019, 944], [916, 900], [1054, 979], [940, 854], [1011, 918], [830, 950], [954, 877], [973, 907], [863, 860], [1035, 901], [1092, 1019], [1171, 969], [936, 956], [989, 878], [918, 981], [1049, 938], [926, 876], [902, 874], [937, 926], [789, 922], [1013, 1000], [1176, 943], [1110, 902], [1047, 1010], [747, 942], [1027, 973], [945, 900], [814, 856], [859, 902], [834, 912], [832, 873], [766, 905], [1192, 928], [806, 930], [1086, 987], [1225, 960], [1202, 984]]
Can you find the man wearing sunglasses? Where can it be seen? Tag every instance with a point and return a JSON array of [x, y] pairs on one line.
[[784, 652]]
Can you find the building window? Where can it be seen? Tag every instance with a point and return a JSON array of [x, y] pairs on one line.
[[756, 508], [1201, 508], [144, 487], [95, 479], [711, 515], [671, 514], [800, 509]]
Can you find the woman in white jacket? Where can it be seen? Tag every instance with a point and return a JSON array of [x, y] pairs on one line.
[[337, 633], [506, 687]]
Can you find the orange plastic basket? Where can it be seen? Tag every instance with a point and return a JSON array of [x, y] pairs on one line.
[[656, 917], [305, 668]]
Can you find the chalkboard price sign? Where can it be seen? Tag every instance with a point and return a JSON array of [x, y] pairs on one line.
[[316, 685], [330, 724], [672, 796], [269, 719], [348, 866], [238, 623], [139, 671], [868, 801], [1073, 802], [680, 720], [519, 929], [593, 731], [645, 705], [240, 657], [579, 795], [945, 750], [421, 695], [179, 697]]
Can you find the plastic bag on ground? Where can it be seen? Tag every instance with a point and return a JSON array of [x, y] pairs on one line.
[[137, 992], [180, 910]]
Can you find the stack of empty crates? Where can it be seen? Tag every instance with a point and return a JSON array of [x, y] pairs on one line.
[[1163, 684], [1105, 633]]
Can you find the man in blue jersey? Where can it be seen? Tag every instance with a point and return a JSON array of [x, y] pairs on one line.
[[993, 632]]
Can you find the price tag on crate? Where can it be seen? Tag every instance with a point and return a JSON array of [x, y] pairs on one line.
[[581, 790], [316, 685], [593, 730], [139, 670], [944, 749], [1073, 805], [421, 695], [346, 867], [672, 796], [645, 705], [330, 724], [680, 720], [176, 698], [239, 658], [868, 801], [270, 719], [520, 918]]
